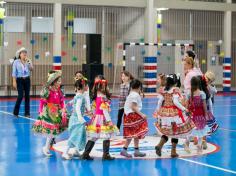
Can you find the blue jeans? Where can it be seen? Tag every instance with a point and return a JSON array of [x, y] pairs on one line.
[[23, 87]]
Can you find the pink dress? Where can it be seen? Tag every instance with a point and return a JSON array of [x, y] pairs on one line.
[[198, 115], [49, 121], [100, 125]]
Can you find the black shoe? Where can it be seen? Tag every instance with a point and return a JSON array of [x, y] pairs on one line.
[[27, 115], [108, 157], [16, 115], [86, 156], [106, 147], [158, 150], [88, 148]]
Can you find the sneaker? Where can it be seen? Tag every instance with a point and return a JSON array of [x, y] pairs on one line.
[[66, 156], [46, 152], [125, 154], [139, 154], [186, 147], [27, 115]]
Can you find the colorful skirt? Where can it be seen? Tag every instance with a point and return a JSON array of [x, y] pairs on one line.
[[77, 134], [100, 129], [50, 122], [177, 126], [212, 123], [135, 126]]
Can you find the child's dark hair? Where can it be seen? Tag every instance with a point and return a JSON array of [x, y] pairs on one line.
[[191, 54], [128, 74], [81, 72], [203, 86], [80, 84], [136, 84], [177, 81], [101, 77], [172, 80], [195, 84], [102, 86]]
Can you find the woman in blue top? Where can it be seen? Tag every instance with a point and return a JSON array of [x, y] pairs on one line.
[[22, 67]]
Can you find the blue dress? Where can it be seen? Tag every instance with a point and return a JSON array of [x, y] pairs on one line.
[[76, 127]]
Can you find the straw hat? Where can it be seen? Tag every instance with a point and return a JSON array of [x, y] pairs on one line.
[[19, 51], [53, 76]]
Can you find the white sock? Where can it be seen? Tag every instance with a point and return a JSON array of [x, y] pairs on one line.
[[48, 142]]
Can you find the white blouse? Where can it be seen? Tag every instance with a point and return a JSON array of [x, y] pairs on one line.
[[133, 97]]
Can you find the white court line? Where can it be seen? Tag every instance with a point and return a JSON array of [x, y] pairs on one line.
[[208, 165], [8, 113], [225, 129]]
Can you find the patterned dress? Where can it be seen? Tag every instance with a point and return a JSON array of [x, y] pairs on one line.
[[49, 121], [100, 126], [135, 126], [171, 121], [198, 115], [76, 126]]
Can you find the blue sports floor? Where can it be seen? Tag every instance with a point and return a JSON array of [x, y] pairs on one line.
[[21, 151]]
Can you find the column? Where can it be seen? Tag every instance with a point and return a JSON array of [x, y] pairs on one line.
[[57, 37], [150, 61], [227, 48]]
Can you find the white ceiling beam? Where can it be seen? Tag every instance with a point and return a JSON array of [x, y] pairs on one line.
[[194, 5], [122, 3]]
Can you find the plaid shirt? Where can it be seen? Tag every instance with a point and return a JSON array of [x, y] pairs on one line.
[[124, 92]]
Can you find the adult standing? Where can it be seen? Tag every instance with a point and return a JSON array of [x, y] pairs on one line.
[[196, 67], [190, 72], [22, 67]]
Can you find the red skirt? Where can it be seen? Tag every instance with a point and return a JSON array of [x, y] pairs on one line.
[[135, 126]]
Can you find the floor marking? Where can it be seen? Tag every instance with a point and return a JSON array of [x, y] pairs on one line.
[[8, 113], [208, 165], [225, 129]]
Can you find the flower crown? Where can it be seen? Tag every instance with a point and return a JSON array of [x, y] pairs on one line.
[[102, 82], [83, 80]]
